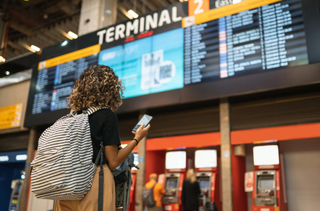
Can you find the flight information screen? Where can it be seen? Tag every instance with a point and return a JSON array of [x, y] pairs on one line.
[[264, 38], [54, 84]]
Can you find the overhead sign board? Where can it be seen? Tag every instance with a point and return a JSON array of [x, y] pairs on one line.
[[10, 116]]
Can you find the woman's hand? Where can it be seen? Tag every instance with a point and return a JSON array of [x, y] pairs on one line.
[[141, 132], [115, 157]]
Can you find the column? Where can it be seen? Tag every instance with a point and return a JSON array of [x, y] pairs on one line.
[[26, 182], [97, 14], [226, 171], [141, 172], [3, 30]]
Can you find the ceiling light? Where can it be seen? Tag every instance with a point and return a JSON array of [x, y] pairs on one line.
[[133, 13], [36, 48], [73, 35], [7, 73], [2, 59], [64, 43]]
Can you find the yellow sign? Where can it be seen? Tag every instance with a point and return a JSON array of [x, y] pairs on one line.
[[229, 10], [10, 116], [69, 57]]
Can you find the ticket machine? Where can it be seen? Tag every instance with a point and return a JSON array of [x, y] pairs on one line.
[[175, 174], [133, 185], [269, 190], [15, 195], [206, 164]]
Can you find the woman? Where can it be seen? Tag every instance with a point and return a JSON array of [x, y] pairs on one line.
[[190, 192], [98, 86]]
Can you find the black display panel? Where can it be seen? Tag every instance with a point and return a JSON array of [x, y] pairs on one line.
[[206, 50], [54, 84], [252, 41], [61, 65]]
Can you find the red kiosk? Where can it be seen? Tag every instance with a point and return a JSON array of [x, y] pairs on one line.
[[206, 164], [175, 174], [269, 190], [133, 185]]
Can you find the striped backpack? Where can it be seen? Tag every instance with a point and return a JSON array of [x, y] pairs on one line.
[[63, 168]]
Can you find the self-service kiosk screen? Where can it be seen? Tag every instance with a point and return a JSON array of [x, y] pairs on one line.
[[266, 155], [176, 160], [172, 184], [206, 158], [266, 183], [204, 184]]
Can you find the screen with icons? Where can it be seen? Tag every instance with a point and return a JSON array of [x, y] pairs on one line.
[[150, 65]]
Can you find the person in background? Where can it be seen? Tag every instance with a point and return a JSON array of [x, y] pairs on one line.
[[158, 192], [190, 192]]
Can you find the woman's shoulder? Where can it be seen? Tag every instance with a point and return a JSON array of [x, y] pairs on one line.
[[104, 114], [187, 181], [104, 111]]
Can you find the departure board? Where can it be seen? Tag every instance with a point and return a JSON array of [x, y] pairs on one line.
[[55, 83], [261, 39]]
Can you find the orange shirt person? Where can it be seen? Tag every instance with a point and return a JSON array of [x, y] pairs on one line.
[[158, 192]]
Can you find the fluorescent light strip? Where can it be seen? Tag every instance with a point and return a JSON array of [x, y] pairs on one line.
[[133, 13], [73, 35], [2, 59], [36, 48]]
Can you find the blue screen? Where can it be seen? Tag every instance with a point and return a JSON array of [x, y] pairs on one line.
[[150, 65]]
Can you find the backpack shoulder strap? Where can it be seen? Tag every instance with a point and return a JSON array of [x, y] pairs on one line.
[[93, 109], [154, 185]]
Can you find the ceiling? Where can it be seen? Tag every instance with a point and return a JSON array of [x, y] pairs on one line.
[[44, 23]]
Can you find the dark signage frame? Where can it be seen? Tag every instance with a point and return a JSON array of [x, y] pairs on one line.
[[253, 83]]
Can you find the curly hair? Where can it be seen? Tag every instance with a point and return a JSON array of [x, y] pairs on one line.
[[97, 86]]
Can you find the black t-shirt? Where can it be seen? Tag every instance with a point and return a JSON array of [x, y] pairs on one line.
[[104, 128]]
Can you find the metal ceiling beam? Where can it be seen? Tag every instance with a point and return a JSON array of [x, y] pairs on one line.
[[75, 23], [75, 2], [121, 16], [33, 41], [48, 33], [56, 32], [63, 6], [122, 10], [9, 53], [24, 29], [173, 1], [45, 40], [33, 2], [150, 5], [70, 26], [160, 3], [14, 46], [129, 5]]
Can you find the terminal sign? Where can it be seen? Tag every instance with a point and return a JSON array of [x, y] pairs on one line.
[[10, 116]]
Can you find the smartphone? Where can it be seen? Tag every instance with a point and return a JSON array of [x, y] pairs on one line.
[[144, 120]]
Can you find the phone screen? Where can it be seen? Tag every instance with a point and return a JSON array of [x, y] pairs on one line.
[[144, 120]]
